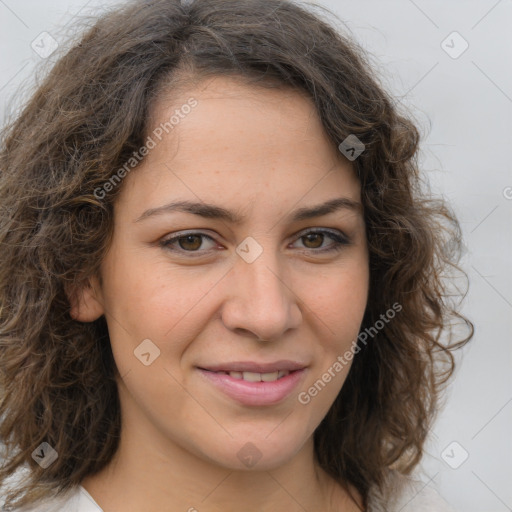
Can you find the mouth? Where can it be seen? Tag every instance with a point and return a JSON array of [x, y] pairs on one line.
[[255, 376], [255, 384], [283, 365]]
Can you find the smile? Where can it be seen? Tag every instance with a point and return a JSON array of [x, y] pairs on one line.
[[254, 388], [257, 377]]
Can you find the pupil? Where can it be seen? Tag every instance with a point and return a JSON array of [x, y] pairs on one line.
[[190, 239], [311, 238]]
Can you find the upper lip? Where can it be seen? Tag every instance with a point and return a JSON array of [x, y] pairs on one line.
[[251, 366]]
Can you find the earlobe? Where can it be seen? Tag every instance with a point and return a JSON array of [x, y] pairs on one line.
[[86, 304]]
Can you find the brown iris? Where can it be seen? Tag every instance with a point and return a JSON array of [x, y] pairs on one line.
[[190, 242], [311, 237]]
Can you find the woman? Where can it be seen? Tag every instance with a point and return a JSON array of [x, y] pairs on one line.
[[221, 282]]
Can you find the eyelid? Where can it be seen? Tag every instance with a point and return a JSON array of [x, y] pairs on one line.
[[166, 241], [335, 232], [340, 240]]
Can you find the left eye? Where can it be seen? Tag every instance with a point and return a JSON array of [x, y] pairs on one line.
[[312, 240], [315, 239]]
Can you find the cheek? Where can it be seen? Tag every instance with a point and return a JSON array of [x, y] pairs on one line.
[[169, 307], [146, 292], [340, 308], [342, 301]]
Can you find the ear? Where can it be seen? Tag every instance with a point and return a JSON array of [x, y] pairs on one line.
[[86, 301]]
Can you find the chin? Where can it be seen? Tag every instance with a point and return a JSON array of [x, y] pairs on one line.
[[254, 453]]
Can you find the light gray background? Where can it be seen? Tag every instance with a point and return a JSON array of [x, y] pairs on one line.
[[464, 108]]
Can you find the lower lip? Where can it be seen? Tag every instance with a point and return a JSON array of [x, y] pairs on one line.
[[255, 393]]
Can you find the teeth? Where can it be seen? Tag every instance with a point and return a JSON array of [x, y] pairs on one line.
[[269, 377], [251, 376], [258, 377]]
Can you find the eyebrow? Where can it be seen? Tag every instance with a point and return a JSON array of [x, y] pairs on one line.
[[211, 211]]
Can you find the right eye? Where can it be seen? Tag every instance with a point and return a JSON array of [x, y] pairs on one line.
[[186, 242]]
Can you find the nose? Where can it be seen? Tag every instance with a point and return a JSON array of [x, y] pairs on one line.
[[261, 301]]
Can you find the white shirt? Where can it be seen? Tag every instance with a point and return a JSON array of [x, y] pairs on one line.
[[413, 497], [75, 500]]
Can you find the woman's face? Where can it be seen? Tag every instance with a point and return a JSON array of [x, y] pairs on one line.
[[259, 284]]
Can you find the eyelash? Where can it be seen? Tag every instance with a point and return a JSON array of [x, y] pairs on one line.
[[340, 240]]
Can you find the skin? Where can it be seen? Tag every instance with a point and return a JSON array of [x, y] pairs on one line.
[[261, 153]]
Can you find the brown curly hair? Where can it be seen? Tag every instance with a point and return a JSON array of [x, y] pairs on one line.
[[89, 115]]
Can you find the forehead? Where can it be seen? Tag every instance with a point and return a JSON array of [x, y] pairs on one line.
[[230, 111], [238, 141]]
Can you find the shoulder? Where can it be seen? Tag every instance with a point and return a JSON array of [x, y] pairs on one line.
[[406, 494], [75, 500]]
